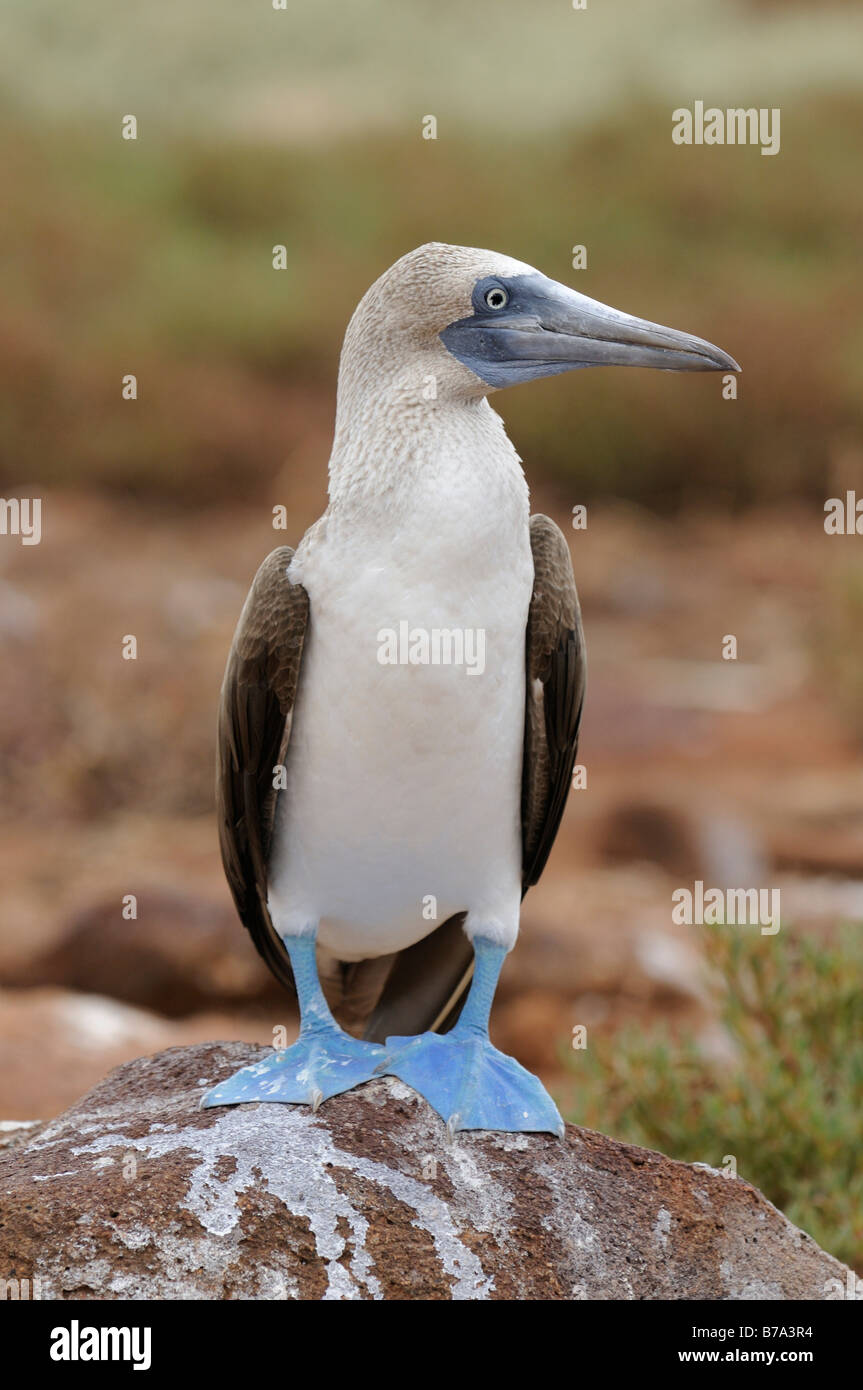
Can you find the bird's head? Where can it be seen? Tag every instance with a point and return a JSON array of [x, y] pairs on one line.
[[478, 321]]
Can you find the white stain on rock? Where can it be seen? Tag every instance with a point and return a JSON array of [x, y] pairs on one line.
[[662, 1227], [308, 1189]]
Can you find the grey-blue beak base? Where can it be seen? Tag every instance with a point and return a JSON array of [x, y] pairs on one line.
[[546, 328]]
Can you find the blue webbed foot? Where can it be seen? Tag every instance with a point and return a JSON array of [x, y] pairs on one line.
[[470, 1083], [323, 1062]]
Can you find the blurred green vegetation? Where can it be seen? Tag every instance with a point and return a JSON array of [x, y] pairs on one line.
[[157, 260], [789, 1108], [836, 644]]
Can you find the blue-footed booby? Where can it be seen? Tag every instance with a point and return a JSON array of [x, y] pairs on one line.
[[421, 787]]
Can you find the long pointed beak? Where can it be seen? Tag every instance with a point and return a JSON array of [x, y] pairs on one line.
[[581, 332], [549, 328]]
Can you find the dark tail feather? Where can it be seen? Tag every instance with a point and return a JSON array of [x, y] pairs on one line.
[[426, 986]]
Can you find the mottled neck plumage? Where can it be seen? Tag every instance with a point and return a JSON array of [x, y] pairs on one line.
[[397, 455]]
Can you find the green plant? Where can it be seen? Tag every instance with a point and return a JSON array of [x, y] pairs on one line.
[[836, 639], [788, 1106]]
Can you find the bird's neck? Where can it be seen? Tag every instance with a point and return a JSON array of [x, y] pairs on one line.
[[399, 458]]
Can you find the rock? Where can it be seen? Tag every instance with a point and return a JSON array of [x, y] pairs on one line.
[[137, 1193], [179, 956], [706, 844], [55, 1044], [11, 1130], [648, 832]]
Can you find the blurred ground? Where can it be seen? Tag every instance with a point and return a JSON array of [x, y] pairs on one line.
[[496, 66]]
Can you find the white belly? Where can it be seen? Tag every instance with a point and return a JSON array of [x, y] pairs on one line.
[[403, 792]]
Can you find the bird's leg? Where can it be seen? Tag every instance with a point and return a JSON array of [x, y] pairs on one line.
[[463, 1077], [323, 1062]]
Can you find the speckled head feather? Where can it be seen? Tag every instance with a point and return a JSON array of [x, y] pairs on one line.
[[430, 288], [395, 329]]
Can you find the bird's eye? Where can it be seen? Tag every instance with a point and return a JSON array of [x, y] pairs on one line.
[[496, 298]]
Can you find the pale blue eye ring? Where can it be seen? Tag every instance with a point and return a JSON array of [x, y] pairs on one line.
[[496, 297]]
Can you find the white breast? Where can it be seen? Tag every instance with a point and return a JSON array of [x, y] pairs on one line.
[[404, 780]]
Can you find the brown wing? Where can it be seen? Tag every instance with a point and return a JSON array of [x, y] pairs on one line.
[[257, 698], [427, 984], [556, 670]]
